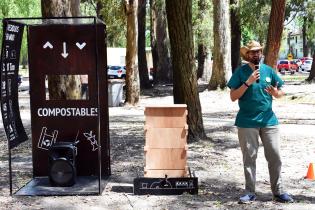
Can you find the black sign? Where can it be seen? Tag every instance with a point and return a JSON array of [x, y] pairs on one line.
[[10, 56], [63, 51]]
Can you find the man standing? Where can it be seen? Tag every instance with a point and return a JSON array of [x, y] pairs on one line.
[[254, 85]]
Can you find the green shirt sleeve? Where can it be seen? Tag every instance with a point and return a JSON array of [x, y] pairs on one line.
[[276, 79], [235, 81]]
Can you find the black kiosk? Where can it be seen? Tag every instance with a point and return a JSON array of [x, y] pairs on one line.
[[70, 138]]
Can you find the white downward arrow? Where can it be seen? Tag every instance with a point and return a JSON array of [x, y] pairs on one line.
[[47, 44], [64, 54], [80, 46]]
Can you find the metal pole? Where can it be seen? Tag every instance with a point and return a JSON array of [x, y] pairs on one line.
[[10, 169], [98, 112]]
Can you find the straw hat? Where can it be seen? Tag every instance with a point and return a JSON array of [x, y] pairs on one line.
[[251, 46]]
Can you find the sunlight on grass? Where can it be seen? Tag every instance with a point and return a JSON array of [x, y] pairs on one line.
[[295, 77]]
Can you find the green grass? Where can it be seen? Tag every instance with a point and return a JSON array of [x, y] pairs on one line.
[[294, 77]]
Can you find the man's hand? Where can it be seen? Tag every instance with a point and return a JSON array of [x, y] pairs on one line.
[[253, 77], [274, 91]]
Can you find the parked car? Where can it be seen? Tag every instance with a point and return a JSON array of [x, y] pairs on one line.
[[305, 59], [115, 72], [307, 65], [286, 65]]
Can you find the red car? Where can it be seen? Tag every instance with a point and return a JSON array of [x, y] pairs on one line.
[[286, 65]]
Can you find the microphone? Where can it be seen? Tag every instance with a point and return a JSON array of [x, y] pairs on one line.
[[257, 67]]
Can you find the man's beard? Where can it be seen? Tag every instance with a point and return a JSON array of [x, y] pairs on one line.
[[255, 60]]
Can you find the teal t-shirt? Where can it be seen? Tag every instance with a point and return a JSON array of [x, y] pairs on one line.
[[256, 104]]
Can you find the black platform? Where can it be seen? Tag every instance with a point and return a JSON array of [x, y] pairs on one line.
[[165, 186], [85, 185]]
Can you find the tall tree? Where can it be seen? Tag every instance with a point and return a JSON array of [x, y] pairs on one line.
[[202, 20], [254, 19], [221, 70], [25, 8], [304, 35], [274, 32], [235, 33], [62, 87], [302, 11], [311, 37], [311, 76], [201, 37], [155, 56], [99, 7], [56, 8], [75, 8], [185, 91], [113, 14], [132, 72], [164, 68], [142, 59]]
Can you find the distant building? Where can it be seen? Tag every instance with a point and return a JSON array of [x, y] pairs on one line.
[[117, 56], [292, 43]]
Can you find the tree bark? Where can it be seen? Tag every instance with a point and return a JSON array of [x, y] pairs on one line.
[[75, 8], [311, 76], [155, 56], [142, 59], [202, 54], [99, 7], [62, 86], [275, 32], [164, 68], [221, 71], [235, 34], [305, 44], [201, 36], [132, 72], [56, 8], [185, 91]]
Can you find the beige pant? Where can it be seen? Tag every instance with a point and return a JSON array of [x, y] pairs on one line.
[[270, 137]]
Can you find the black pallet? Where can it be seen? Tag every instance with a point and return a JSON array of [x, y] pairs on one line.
[[165, 186]]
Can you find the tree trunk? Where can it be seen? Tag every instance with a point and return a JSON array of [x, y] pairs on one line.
[[75, 8], [56, 8], [221, 70], [235, 34], [201, 36], [185, 90], [311, 76], [99, 7], [142, 59], [275, 32], [132, 72], [164, 68], [305, 45], [202, 54], [155, 56], [62, 86]]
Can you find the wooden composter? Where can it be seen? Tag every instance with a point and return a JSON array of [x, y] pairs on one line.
[[166, 171], [166, 141]]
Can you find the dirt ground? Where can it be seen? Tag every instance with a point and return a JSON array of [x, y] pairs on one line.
[[216, 161]]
